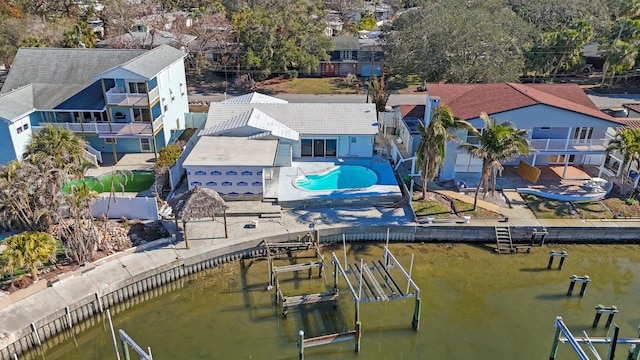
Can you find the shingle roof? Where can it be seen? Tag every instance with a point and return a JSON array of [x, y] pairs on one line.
[[254, 98], [345, 43], [467, 101], [153, 61], [16, 103], [57, 74], [316, 118], [263, 124]]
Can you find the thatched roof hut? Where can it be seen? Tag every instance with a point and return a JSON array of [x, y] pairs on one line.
[[198, 203]]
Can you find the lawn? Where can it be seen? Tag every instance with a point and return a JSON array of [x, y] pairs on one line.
[[613, 206], [438, 207], [317, 86], [441, 207], [466, 209], [544, 208]]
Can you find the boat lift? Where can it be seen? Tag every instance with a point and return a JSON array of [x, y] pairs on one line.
[[563, 335]]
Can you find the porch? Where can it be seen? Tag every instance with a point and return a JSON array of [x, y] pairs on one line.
[[106, 129], [119, 96]]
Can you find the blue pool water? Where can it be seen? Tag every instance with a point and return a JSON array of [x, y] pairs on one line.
[[339, 178]]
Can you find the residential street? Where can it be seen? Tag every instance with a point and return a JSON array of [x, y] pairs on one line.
[[600, 100]]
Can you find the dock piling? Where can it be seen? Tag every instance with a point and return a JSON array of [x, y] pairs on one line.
[[301, 345], [358, 335], [581, 279], [553, 254], [601, 309]]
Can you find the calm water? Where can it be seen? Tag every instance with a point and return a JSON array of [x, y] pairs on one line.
[[476, 305]]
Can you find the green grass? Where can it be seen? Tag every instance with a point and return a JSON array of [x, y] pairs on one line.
[[433, 208], [137, 181], [544, 208], [317, 86], [592, 210], [465, 209]]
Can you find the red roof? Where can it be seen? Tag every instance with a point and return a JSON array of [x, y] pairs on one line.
[[630, 122], [416, 111], [467, 101], [633, 106]]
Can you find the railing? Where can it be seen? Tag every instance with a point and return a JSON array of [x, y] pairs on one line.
[[93, 154], [117, 129], [569, 144], [119, 96]]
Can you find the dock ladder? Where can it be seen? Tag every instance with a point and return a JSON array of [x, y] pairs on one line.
[[503, 240]]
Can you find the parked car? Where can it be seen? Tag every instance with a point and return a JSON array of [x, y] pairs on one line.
[[617, 112]]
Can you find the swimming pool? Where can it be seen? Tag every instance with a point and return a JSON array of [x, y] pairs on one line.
[[338, 178]]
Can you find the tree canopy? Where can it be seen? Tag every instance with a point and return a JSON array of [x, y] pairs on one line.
[[458, 41], [282, 36]]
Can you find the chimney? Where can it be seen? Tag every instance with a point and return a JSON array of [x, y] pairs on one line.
[[432, 103]]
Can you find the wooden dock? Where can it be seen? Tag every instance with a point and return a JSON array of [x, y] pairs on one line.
[[308, 299], [330, 339]]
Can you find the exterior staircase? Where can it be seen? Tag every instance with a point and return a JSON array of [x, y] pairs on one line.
[[503, 240]]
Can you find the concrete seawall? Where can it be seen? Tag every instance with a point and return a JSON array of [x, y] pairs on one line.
[[155, 268]]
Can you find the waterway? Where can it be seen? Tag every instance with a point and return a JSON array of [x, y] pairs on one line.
[[475, 305]]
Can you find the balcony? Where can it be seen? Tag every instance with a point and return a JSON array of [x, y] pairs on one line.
[[120, 97], [576, 145], [104, 129]]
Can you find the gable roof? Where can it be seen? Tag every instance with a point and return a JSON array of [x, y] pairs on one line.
[[151, 62], [316, 118], [16, 103], [414, 111], [254, 98], [58, 74], [147, 39], [256, 119], [467, 101]]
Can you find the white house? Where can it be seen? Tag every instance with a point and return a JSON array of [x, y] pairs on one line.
[[246, 137], [564, 126]]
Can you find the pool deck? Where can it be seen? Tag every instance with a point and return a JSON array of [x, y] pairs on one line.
[[386, 189], [145, 161]]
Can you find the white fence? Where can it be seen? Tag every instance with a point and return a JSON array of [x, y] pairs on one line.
[[142, 208], [176, 171]]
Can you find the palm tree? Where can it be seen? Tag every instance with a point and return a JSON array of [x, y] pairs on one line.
[[28, 250], [64, 147], [433, 141], [627, 143], [499, 142]]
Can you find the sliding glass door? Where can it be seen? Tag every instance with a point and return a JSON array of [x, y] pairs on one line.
[[318, 148]]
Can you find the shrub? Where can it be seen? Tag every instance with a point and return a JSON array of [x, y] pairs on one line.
[[169, 155]]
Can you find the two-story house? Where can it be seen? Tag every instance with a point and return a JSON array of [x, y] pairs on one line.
[[358, 55], [119, 101], [565, 128]]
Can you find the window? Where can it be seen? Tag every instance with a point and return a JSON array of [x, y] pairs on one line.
[[319, 147], [145, 145], [474, 139], [173, 97], [332, 148], [141, 115], [545, 128], [200, 172], [306, 147], [346, 55], [231, 173], [559, 159], [19, 129], [138, 87], [246, 173], [182, 89], [216, 172], [25, 126], [110, 141]]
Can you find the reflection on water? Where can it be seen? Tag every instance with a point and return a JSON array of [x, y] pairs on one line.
[[475, 305]]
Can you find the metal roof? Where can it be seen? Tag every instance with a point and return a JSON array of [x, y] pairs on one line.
[[307, 119], [153, 61], [254, 98], [256, 120]]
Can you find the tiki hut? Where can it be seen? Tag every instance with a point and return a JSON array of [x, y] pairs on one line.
[[198, 203]]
